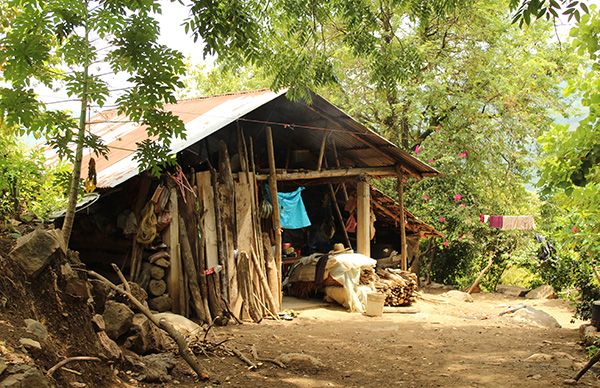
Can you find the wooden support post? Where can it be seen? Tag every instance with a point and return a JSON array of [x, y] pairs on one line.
[[175, 283], [275, 201], [363, 230], [322, 152], [403, 245], [337, 165]]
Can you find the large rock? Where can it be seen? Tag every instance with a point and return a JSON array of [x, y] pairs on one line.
[[26, 376], [300, 361], [535, 317], [136, 290], [458, 295], [100, 293], [189, 329], [146, 337], [30, 344], [74, 285], [111, 349], [157, 367], [36, 250], [511, 290], [542, 292], [161, 303], [36, 328], [118, 319]]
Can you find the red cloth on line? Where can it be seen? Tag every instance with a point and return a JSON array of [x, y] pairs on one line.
[[496, 221]]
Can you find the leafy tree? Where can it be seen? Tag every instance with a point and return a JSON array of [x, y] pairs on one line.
[[570, 175], [66, 44]]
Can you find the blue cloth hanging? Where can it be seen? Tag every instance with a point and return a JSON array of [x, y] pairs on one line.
[[292, 211]]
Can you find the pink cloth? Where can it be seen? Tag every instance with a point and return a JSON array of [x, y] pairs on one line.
[[496, 221]]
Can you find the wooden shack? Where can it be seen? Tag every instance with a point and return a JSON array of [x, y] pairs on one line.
[[203, 238]]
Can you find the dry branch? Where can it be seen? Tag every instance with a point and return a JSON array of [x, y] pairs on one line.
[[184, 350], [68, 360]]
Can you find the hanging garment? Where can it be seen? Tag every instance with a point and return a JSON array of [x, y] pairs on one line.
[[351, 224], [496, 222], [292, 211], [518, 223]]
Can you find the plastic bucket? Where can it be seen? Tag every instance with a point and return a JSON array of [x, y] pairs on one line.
[[375, 303]]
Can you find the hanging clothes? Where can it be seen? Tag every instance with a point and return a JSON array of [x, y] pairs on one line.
[[518, 223], [292, 211], [496, 222], [351, 224]]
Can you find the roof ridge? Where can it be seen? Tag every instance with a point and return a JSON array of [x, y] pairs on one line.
[[225, 94]]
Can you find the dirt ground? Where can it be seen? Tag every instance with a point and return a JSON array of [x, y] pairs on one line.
[[447, 343]]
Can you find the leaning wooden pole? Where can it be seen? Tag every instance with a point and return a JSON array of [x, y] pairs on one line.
[[275, 202], [182, 345], [400, 189]]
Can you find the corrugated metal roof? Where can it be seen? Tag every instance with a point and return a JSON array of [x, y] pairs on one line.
[[201, 116], [205, 116]]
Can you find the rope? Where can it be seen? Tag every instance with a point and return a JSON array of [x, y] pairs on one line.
[[147, 231]]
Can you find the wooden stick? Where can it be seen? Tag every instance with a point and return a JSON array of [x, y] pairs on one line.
[[337, 164], [68, 360], [339, 215], [263, 281], [184, 349], [222, 259], [121, 277], [322, 152], [587, 366], [241, 356], [275, 317], [275, 201], [190, 269], [262, 359], [403, 244], [483, 271]]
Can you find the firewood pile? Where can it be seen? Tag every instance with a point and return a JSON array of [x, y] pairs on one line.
[[399, 287]]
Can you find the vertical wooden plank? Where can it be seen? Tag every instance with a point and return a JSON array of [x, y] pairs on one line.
[[175, 281], [245, 233], [275, 202], [209, 221], [403, 246], [363, 230]]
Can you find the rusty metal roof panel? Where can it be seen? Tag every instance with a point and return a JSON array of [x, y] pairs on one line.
[[202, 117]]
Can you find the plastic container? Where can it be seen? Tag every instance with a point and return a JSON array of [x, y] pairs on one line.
[[375, 303]]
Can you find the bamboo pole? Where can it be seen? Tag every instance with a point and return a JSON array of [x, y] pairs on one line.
[[403, 245], [275, 201], [339, 215], [190, 269]]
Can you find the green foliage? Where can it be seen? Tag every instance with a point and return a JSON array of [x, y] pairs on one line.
[[528, 10], [28, 188], [570, 177], [204, 82]]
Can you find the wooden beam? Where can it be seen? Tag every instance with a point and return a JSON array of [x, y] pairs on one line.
[[332, 173], [363, 230], [403, 245], [322, 152], [275, 201]]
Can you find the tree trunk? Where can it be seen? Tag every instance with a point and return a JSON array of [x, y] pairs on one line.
[[76, 175]]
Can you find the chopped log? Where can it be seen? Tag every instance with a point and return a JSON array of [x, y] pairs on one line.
[[157, 272], [157, 287], [159, 255], [399, 287], [183, 347], [190, 269]]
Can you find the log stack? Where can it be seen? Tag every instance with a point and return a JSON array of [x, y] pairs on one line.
[[398, 286]]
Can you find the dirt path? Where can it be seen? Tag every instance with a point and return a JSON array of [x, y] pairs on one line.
[[447, 343]]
